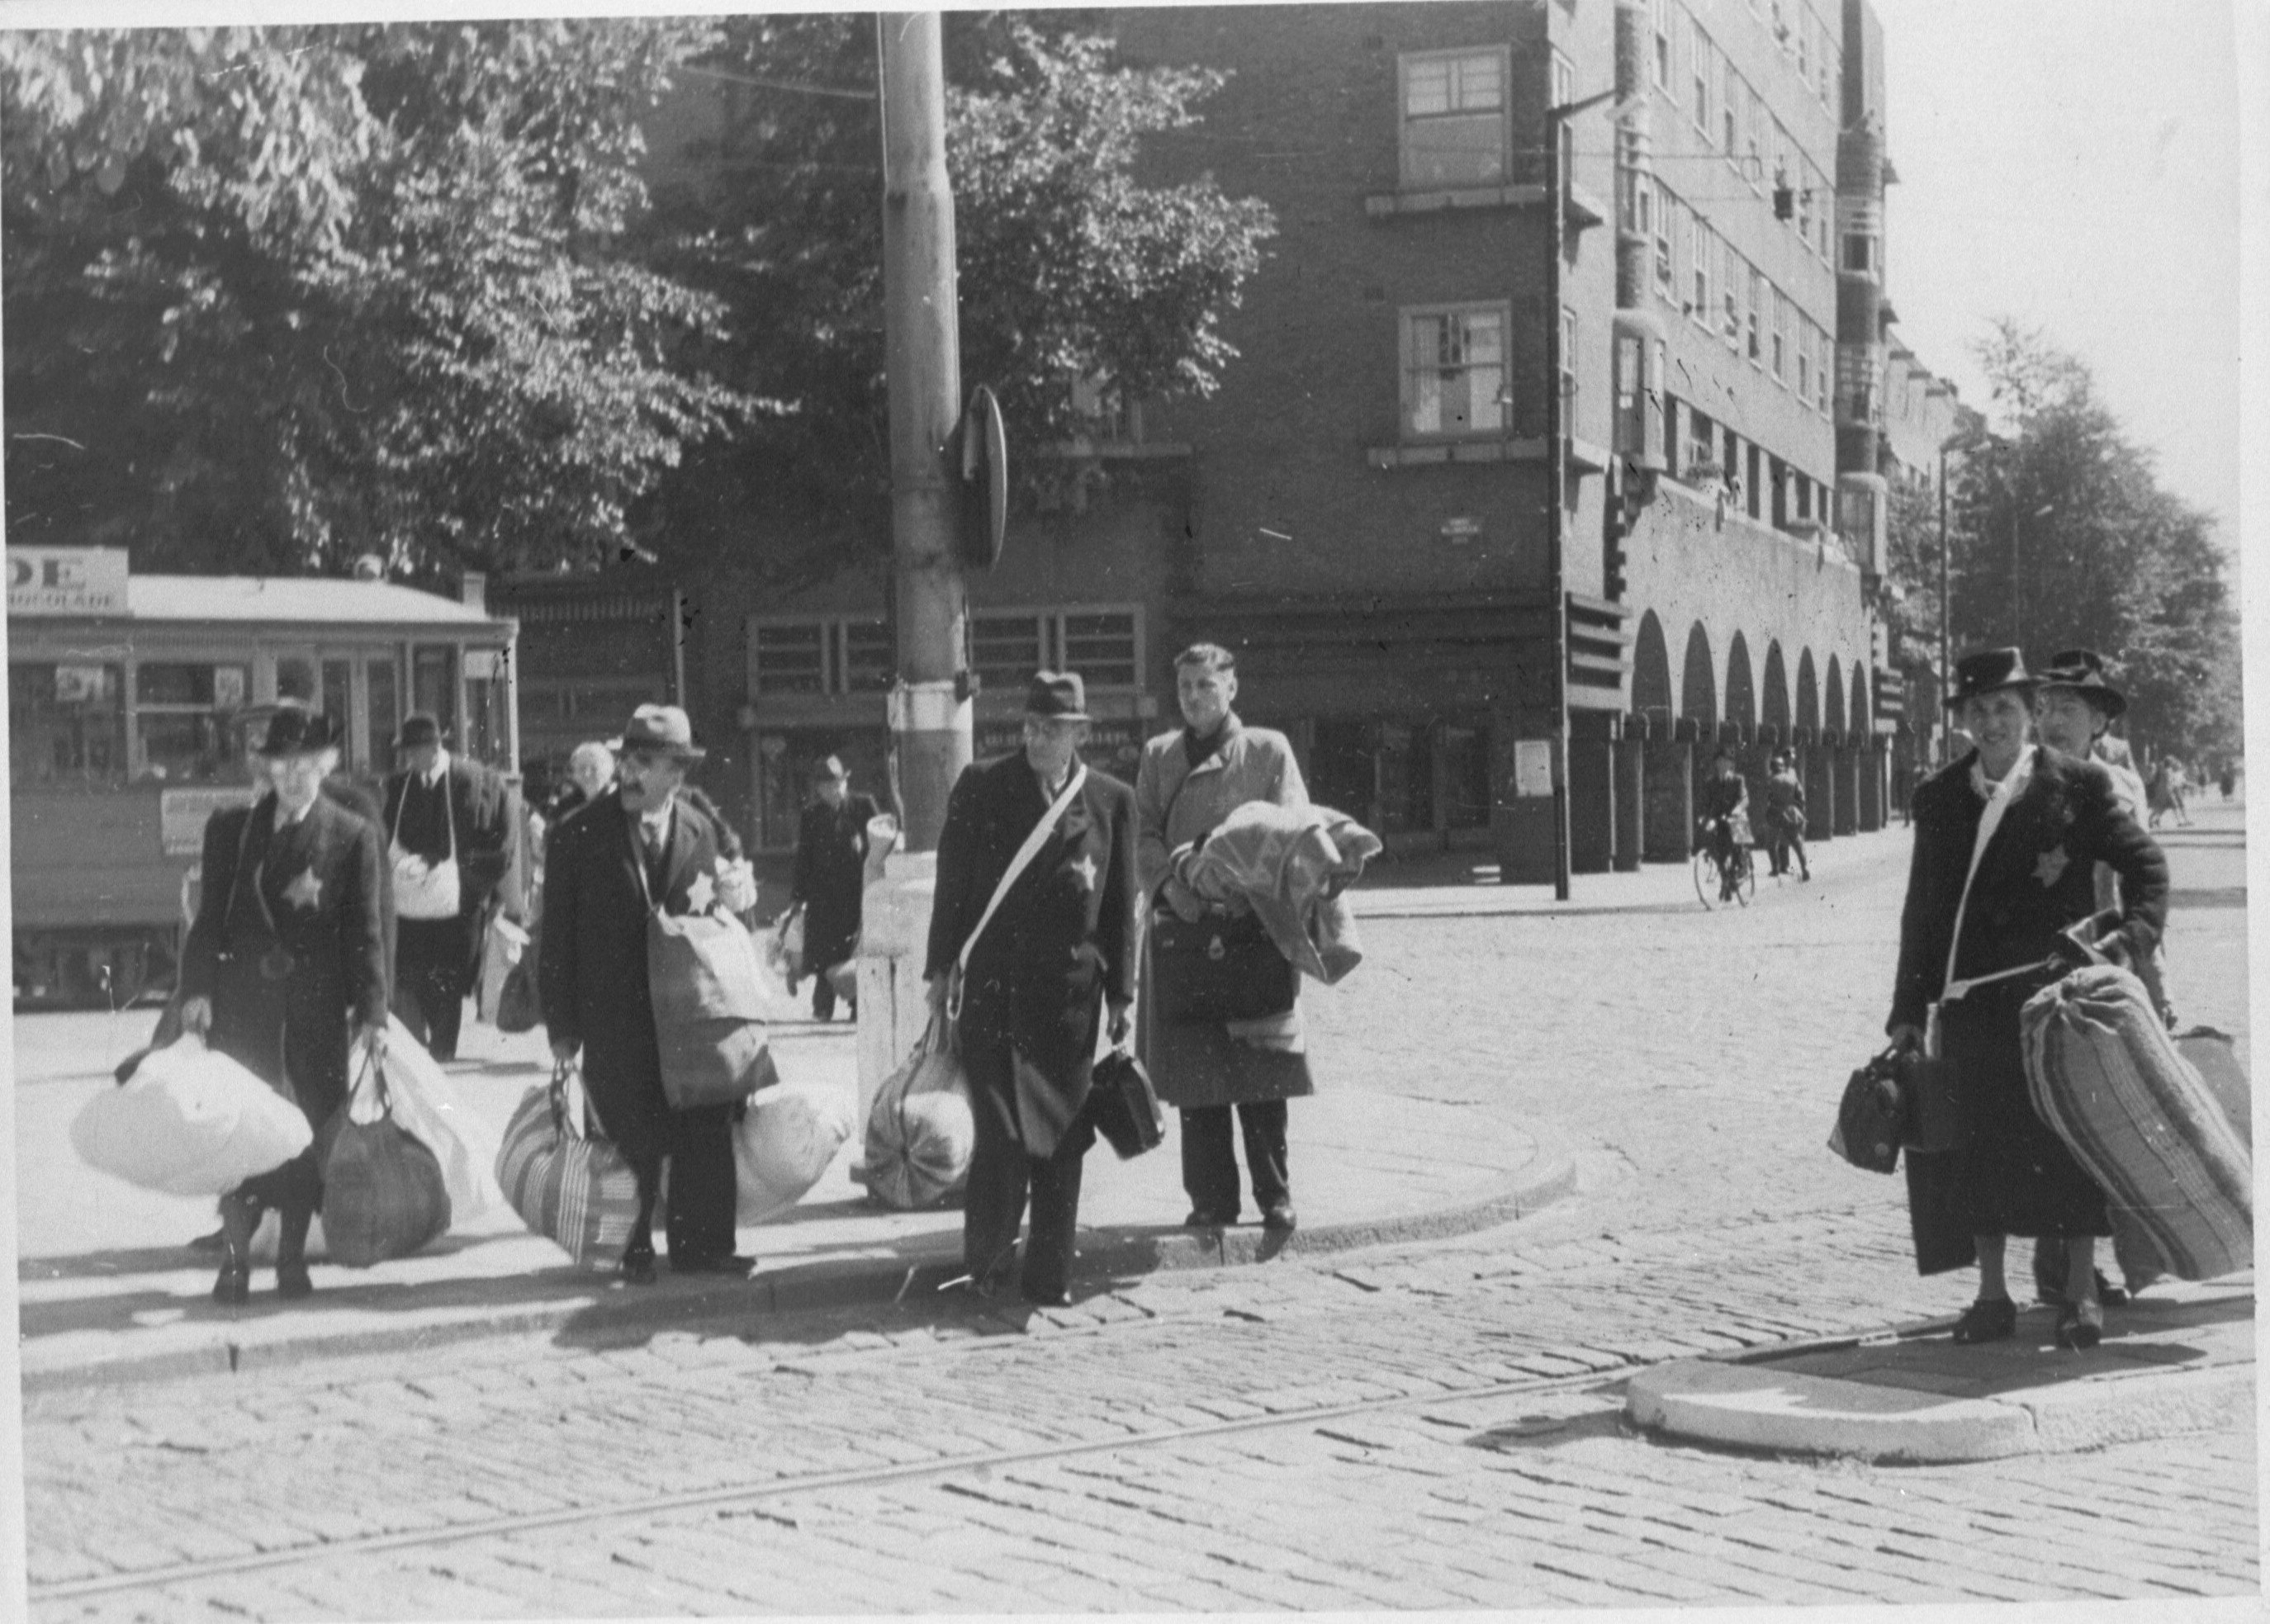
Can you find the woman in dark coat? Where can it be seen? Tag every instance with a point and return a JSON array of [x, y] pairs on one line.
[[2038, 822]]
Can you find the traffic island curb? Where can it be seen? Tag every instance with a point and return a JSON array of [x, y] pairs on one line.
[[596, 1309]]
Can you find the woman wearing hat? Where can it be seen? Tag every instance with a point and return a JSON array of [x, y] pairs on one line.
[[285, 960], [2007, 841]]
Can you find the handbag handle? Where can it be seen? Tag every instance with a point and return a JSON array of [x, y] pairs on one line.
[[373, 1069], [566, 1118]]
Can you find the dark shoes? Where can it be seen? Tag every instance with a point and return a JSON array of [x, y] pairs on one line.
[[209, 1245], [292, 1281], [733, 1263], [1279, 1216], [1042, 1298], [1200, 1218], [2051, 1294], [637, 1265], [238, 1219], [2080, 1326], [1990, 1319]]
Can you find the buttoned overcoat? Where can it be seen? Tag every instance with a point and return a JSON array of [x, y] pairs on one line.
[[831, 860], [2009, 1174]]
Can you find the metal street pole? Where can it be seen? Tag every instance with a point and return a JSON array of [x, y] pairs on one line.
[[1946, 661], [929, 709]]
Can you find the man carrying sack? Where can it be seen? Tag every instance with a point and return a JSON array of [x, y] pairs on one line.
[[451, 840], [1035, 928], [638, 849]]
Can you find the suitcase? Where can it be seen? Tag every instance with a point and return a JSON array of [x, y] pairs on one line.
[[1124, 1106], [2104, 1074]]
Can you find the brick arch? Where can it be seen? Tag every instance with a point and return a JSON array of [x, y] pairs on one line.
[[1832, 702], [1808, 693], [1773, 697], [1698, 685], [1651, 670], [1864, 714], [1741, 692]]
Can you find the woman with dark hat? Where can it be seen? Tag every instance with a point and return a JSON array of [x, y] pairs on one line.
[[2006, 841], [284, 962]]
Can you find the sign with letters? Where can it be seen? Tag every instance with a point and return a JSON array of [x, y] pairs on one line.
[[183, 814], [66, 581]]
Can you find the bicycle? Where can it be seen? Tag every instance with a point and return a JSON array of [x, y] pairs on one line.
[[1723, 873]]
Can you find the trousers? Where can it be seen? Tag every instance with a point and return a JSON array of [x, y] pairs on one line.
[[430, 980], [1210, 1166], [1002, 1175]]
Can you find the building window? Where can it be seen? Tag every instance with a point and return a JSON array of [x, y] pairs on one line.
[[1567, 366], [1005, 649], [1100, 645], [1781, 337], [1823, 215], [1666, 282], [1805, 362], [1638, 204], [1729, 108], [1754, 118], [181, 714], [1804, 33], [1454, 118], [1701, 251], [1454, 371], [790, 658], [1564, 94], [1662, 11], [1734, 276], [1698, 59], [1702, 443], [1860, 252], [1825, 347], [871, 656], [66, 725], [1756, 322]]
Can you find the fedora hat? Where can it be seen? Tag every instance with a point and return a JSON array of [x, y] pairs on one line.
[[419, 727], [663, 727], [1058, 696], [1988, 670], [2083, 670], [292, 729]]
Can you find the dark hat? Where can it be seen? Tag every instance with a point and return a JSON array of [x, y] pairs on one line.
[[664, 728], [1060, 696], [1988, 670], [295, 730], [2083, 669], [418, 727]]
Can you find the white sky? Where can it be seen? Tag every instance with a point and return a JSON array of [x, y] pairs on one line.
[[2074, 164]]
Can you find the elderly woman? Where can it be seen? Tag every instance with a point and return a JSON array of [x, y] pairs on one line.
[[2006, 841], [284, 962], [1190, 780]]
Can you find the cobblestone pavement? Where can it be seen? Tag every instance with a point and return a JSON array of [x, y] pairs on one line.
[[1427, 1427]]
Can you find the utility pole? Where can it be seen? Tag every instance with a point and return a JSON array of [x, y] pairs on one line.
[[930, 709], [1946, 665]]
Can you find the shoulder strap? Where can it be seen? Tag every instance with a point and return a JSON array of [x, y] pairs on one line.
[[1026, 853]]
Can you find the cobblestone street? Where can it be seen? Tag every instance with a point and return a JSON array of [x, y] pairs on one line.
[[1424, 1427]]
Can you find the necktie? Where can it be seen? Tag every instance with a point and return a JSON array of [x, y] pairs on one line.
[[655, 835]]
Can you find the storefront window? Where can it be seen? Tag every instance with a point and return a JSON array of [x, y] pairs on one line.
[[1465, 778], [1406, 779], [1340, 770], [66, 725]]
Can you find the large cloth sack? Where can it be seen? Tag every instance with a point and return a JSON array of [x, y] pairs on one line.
[[1219, 968], [2216, 1059], [708, 1009], [786, 1140], [502, 947], [919, 1135], [565, 1182], [383, 1196], [2104, 1073], [189, 1121], [429, 1105]]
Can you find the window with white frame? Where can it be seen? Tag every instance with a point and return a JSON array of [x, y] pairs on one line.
[[1757, 301], [1754, 120], [1825, 66], [1730, 106], [1455, 118], [1805, 208], [820, 656], [1564, 95], [1006, 647], [1662, 17], [1666, 282], [1701, 440], [870, 656], [1454, 371], [1825, 350], [1568, 371], [1734, 276], [1638, 204], [1101, 645], [1805, 361], [1100, 641], [1824, 214], [1699, 71], [1803, 36], [1701, 254], [1781, 337]]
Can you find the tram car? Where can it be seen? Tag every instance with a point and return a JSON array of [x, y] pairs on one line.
[[124, 695]]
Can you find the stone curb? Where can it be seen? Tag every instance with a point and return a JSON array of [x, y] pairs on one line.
[[596, 1308]]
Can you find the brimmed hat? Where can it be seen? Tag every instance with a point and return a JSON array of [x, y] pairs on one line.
[[1988, 670], [295, 730], [419, 727], [832, 766], [2083, 671], [1059, 696], [660, 727]]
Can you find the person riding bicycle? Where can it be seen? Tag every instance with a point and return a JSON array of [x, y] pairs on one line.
[[1726, 820]]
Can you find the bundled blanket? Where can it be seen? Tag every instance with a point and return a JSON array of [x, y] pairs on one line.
[[1289, 865]]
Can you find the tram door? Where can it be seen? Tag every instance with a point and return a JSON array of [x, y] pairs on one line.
[[362, 687]]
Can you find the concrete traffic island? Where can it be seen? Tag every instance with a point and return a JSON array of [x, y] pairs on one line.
[[2179, 1359]]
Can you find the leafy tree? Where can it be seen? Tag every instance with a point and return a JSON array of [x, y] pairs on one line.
[[276, 297]]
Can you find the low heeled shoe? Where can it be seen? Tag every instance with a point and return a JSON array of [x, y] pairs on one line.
[[1990, 1319], [2080, 1325]]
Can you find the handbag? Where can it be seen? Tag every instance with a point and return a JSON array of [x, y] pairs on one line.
[[1218, 968], [424, 890], [1870, 1117], [702, 979], [568, 1184], [520, 1008], [1928, 1122], [1123, 1106], [383, 1195]]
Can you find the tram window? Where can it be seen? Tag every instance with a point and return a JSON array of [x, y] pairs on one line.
[[295, 678], [180, 708], [485, 733], [66, 725], [383, 713], [434, 684]]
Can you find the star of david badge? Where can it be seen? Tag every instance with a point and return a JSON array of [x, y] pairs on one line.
[[702, 893], [1084, 871], [2052, 866], [305, 891]]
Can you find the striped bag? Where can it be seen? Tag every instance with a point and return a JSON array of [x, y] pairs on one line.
[[565, 1182], [2104, 1074]]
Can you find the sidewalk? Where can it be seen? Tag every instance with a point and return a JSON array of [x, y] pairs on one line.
[[107, 1291]]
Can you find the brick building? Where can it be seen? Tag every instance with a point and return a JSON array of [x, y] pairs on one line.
[[1368, 508]]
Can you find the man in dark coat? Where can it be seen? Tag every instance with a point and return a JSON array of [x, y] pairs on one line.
[[831, 859], [640, 843], [2055, 817], [440, 806], [1059, 949], [286, 952]]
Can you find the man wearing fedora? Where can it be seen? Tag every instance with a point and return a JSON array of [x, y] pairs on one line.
[[641, 843], [1056, 953], [831, 861], [442, 810], [284, 961]]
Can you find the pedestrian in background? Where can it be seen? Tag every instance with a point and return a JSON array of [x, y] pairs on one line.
[[2006, 841], [283, 964], [640, 845], [451, 845], [1786, 817], [1050, 955], [1726, 820], [1189, 780], [831, 856]]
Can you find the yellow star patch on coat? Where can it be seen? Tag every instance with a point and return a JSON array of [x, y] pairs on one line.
[[700, 894], [2050, 867], [1084, 871], [305, 891]]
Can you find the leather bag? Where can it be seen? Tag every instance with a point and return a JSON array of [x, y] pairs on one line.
[[1870, 1119], [1928, 1119], [704, 978], [1123, 1106], [1221, 967], [383, 1192]]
